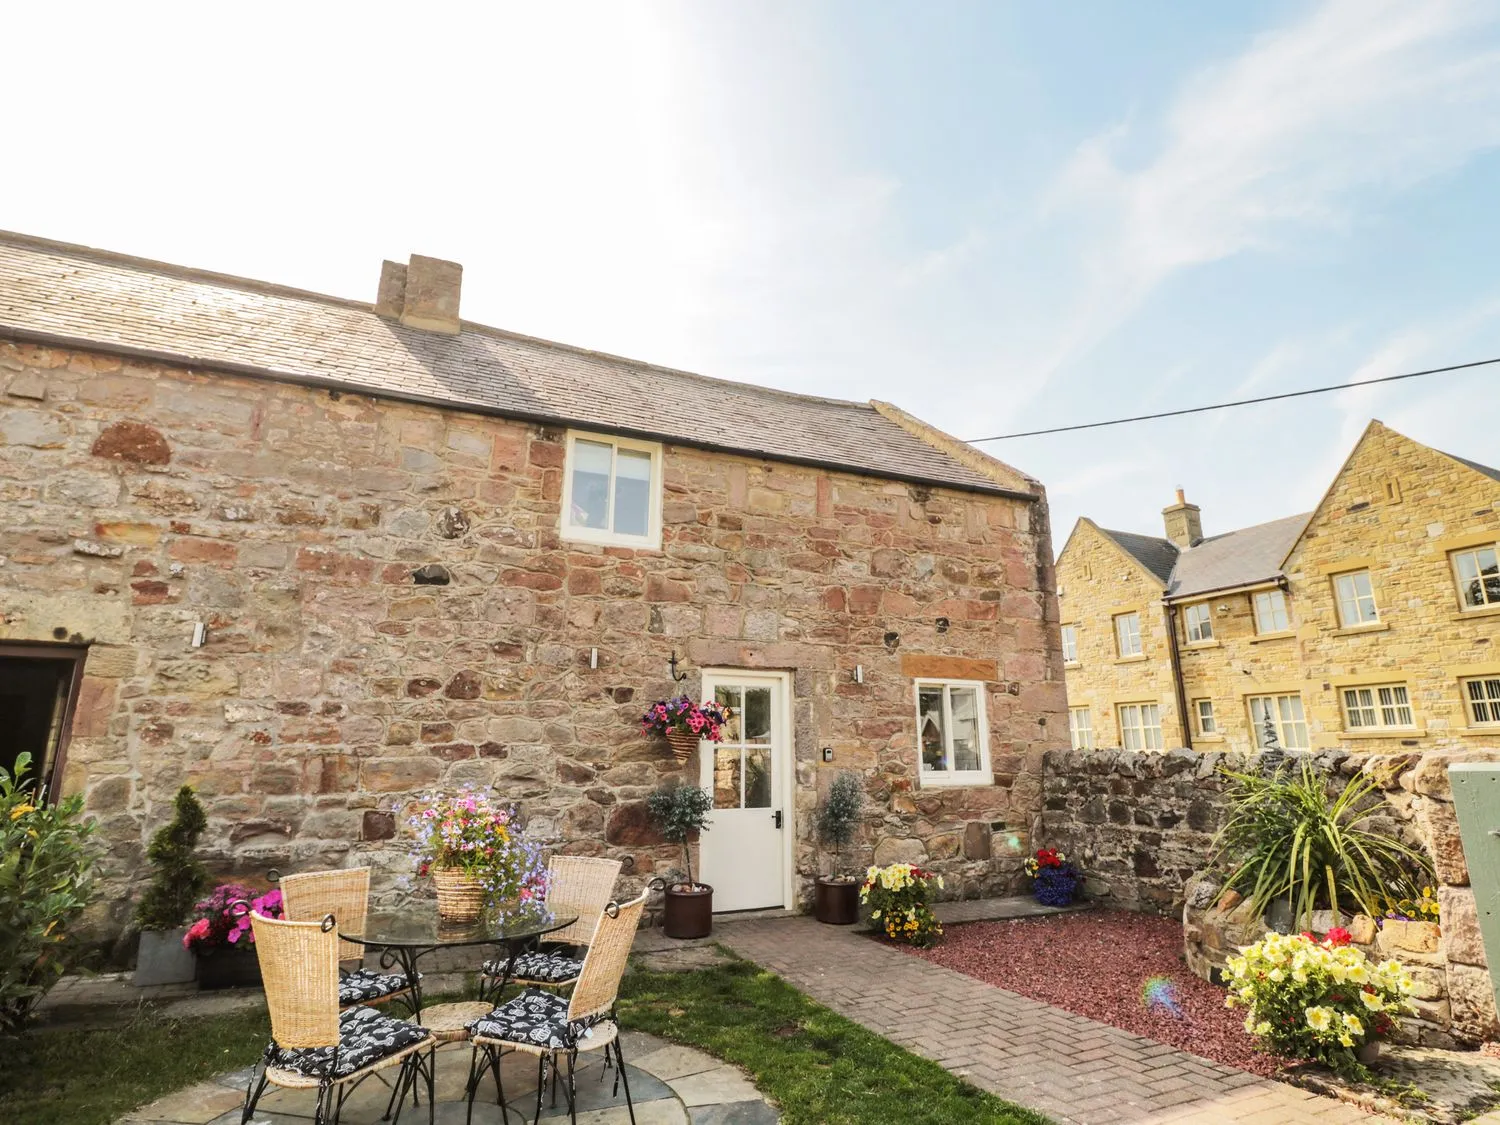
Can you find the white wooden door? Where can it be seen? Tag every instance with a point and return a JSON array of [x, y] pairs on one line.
[[745, 854]]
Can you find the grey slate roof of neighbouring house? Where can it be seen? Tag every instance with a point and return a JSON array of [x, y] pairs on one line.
[[1220, 562], [73, 296]]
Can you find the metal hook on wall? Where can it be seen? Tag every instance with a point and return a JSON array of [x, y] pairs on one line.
[[672, 663]]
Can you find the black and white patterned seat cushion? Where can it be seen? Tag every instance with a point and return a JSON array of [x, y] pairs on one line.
[[537, 1018], [363, 986], [365, 1037], [551, 968]]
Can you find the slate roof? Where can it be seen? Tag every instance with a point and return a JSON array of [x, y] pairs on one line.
[[75, 296], [1158, 556], [1493, 474], [1221, 562]]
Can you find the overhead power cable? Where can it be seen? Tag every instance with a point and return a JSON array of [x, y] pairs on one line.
[[1240, 402]]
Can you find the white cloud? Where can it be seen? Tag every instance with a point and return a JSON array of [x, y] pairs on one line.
[[1361, 96]]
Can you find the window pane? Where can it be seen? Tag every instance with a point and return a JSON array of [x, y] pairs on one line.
[[1069, 644], [930, 728], [1128, 634], [1206, 724], [1270, 612], [1395, 707], [632, 492], [727, 772], [757, 714], [1151, 724], [730, 697], [591, 461], [963, 702], [758, 778]]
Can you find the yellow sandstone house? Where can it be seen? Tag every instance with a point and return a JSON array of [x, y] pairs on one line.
[[1370, 623]]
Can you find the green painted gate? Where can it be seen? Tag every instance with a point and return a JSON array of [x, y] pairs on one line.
[[1476, 799]]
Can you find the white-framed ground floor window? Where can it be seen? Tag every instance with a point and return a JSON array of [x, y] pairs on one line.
[[1081, 728], [952, 734], [1482, 700], [1377, 707], [1140, 726], [1278, 717]]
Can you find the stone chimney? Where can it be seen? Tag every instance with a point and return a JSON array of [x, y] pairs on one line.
[[1184, 523], [421, 294]]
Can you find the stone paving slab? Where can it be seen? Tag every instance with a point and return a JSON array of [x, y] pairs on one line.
[[1075, 1070], [714, 1093]]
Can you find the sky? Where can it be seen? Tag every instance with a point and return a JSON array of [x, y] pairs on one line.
[[1000, 216]]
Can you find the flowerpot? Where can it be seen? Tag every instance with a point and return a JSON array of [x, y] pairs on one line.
[[1055, 890], [836, 902], [460, 896], [683, 743], [688, 913], [229, 968], [161, 959], [1368, 1053]]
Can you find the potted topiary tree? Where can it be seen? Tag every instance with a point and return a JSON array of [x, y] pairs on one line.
[[177, 879], [836, 898], [679, 811]]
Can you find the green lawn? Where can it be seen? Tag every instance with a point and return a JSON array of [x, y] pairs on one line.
[[819, 1067], [72, 1077]]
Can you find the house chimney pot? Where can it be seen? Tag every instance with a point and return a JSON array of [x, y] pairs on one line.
[[432, 287], [1183, 521]]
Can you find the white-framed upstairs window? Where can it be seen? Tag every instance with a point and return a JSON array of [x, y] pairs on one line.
[[1081, 728], [1280, 716], [1070, 644], [1140, 726], [1198, 621], [1477, 572], [1204, 710], [1356, 599], [1128, 634], [1270, 612], [1378, 707], [612, 491], [953, 733], [1482, 700]]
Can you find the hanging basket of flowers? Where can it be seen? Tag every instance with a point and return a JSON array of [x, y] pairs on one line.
[[684, 723], [477, 854]]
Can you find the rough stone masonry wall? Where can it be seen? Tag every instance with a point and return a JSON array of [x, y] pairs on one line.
[[1142, 825], [138, 499]]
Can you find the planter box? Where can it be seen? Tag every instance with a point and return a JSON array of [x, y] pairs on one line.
[[229, 969], [160, 959]]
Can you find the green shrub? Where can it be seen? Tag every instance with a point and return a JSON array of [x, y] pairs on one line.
[[178, 878], [46, 872], [838, 816], [678, 811], [1286, 839]]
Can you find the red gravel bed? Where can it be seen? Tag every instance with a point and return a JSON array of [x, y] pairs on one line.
[[1096, 964]]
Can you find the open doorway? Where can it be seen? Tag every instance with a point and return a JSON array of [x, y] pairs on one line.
[[38, 687]]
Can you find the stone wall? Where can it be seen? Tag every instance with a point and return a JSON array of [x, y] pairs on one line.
[[136, 500], [1096, 581], [1142, 826]]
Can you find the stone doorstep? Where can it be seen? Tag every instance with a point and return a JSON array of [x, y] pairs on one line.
[[1000, 909]]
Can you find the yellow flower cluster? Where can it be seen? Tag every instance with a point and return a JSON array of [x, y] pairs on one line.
[[896, 877], [1291, 982]]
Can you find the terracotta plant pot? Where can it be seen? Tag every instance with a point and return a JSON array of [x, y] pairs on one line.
[[683, 743], [460, 896], [688, 913], [836, 902], [229, 968]]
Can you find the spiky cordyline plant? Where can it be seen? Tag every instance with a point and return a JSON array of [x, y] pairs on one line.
[[1286, 838]]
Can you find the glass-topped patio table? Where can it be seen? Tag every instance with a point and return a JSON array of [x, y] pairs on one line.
[[405, 936]]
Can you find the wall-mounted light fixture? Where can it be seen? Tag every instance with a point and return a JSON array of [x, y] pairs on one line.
[[200, 634], [859, 673], [593, 658], [828, 753]]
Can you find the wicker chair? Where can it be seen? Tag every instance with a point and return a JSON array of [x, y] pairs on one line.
[[575, 885], [346, 895], [314, 1045], [546, 1025]]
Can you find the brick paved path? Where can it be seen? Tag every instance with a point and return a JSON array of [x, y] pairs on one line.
[[1071, 1068]]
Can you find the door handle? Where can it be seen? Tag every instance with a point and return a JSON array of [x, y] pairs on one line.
[[776, 817]]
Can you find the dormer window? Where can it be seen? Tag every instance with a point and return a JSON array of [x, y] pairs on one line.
[[612, 492]]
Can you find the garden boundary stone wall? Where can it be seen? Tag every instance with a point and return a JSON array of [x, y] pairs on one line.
[[1142, 824]]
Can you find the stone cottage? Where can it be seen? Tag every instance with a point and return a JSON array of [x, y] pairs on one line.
[[316, 556]]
